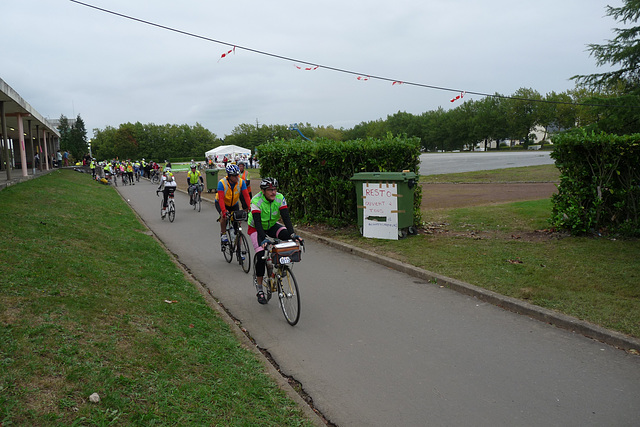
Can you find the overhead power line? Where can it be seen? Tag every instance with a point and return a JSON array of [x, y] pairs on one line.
[[340, 70]]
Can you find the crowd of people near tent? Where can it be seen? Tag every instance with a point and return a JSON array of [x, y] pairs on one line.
[[221, 162]]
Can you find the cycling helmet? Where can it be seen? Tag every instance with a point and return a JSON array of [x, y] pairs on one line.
[[233, 170], [268, 182], [193, 166], [167, 169]]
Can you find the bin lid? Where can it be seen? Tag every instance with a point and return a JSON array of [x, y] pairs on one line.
[[383, 176]]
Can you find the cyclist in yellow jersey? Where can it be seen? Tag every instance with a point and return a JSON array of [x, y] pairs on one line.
[[192, 180]]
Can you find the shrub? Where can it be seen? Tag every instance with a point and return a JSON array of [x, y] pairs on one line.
[[599, 187], [315, 176]]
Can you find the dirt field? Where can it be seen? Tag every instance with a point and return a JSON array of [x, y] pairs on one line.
[[441, 196]]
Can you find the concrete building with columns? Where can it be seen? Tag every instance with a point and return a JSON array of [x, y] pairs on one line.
[[23, 133]]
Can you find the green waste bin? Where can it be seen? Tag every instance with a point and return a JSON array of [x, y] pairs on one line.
[[378, 187], [212, 179]]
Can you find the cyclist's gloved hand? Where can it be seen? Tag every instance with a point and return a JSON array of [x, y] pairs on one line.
[[296, 237], [265, 242]]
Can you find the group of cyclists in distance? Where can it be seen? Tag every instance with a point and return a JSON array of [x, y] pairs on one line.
[[268, 213], [128, 170]]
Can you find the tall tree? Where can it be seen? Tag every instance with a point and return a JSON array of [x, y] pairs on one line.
[[524, 113], [73, 137], [621, 86], [622, 52]]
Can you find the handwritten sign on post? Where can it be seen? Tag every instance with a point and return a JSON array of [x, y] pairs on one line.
[[380, 215]]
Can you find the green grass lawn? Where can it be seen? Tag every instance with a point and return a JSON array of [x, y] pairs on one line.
[[83, 310]]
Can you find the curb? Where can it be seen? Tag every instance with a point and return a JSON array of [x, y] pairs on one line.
[[560, 320]]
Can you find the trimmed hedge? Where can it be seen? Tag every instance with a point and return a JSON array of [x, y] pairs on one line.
[[315, 176], [599, 189]]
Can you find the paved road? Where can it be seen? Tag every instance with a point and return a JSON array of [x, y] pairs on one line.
[[439, 163], [375, 347]]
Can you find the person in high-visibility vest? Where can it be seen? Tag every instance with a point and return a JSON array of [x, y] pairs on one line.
[[231, 190], [192, 180], [130, 173], [244, 174]]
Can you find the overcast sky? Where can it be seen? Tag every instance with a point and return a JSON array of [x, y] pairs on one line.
[[66, 58]]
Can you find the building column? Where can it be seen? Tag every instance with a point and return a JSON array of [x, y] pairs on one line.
[[46, 150], [33, 153], [5, 140], [23, 153], [39, 148]]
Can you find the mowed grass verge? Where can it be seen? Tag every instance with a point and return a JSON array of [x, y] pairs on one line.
[[507, 248], [83, 311]]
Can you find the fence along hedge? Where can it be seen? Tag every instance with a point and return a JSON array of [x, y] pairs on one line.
[[315, 175], [599, 187]]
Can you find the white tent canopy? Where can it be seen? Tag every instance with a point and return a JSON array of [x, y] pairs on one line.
[[230, 151]]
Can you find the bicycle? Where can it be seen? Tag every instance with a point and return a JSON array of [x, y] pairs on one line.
[[125, 180], [279, 277], [111, 178], [171, 206], [237, 242], [196, 198], [155, 176]]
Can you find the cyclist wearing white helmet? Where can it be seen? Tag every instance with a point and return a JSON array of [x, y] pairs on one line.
[[167, 184], [231, 190], [267, 208]]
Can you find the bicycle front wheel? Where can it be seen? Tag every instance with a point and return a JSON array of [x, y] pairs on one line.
[[242, 252], [227, 248], [199, 202], [289, 295], [172, 211]]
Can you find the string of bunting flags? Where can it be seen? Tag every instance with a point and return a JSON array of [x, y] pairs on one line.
[[397, 82], [359, 78]]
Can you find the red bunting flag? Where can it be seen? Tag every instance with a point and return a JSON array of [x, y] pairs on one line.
[[307, 69], [364, 79], [458, 97], [227, 53], [396, 83]]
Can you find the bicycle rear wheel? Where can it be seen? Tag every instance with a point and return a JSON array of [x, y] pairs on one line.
[[172, 210], [242, 253], [227, 248], [289, 295]]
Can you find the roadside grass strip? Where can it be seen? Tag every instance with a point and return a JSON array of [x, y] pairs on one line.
[[99, 327]]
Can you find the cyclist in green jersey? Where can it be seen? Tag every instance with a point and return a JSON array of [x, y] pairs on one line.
[[267, 208]]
